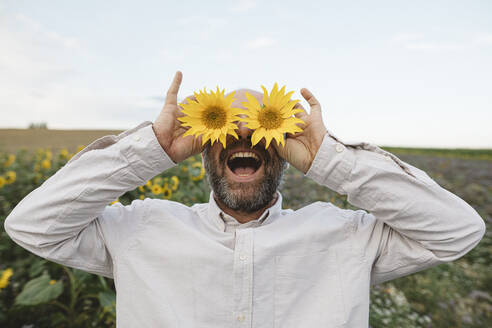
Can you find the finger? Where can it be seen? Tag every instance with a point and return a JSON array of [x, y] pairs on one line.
[[172, 93], [300, 114], [313, 102]]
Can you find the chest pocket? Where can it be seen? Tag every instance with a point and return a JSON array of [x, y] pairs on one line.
[[308, 291]]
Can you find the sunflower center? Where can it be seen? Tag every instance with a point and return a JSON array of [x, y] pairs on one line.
[[270, 118], [214, 117]]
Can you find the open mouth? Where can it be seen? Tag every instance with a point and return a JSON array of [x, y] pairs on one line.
[[244, 163]]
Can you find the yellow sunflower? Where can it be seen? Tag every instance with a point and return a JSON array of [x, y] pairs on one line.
[[4, 279], [273, 118], [10, 177], [64, 153], [10, 160], [211, 116], [46, 164], [156, 189], [175, 182], [166, 192]]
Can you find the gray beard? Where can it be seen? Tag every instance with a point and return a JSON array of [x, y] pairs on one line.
[[245, 197]]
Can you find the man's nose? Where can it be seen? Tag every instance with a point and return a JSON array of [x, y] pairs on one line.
[[243, 132]]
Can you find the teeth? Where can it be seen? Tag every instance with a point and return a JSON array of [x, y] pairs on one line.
[[245, 154]]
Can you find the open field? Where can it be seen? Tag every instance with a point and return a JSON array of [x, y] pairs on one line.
[[12, 140], [456, 294]]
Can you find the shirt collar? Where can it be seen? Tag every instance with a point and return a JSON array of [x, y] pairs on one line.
[[219, 218]]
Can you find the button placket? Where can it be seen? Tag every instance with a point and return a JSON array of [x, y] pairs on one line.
[[243, 278]]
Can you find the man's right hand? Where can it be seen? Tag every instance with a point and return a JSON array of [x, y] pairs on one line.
[[168, 129]]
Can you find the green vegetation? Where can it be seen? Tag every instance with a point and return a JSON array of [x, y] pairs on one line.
[[37, 292], [483, 154]]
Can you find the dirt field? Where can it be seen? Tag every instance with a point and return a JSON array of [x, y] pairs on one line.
[[12, 140]]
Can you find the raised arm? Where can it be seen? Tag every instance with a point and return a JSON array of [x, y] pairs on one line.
[[67, 219], [408, 221]]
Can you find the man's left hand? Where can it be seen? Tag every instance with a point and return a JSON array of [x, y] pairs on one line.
[[301, 148]]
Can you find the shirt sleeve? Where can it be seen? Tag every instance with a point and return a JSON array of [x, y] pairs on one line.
[[407, 222], [67, 219]]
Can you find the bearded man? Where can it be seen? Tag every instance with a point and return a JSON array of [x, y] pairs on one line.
[[240, 260]]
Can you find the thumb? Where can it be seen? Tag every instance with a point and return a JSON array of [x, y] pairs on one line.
[[313, 102], [172, 92]]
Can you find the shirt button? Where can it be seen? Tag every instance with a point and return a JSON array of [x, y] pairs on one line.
[[240, 317], [339, 147], [243, 257], [137, 137]]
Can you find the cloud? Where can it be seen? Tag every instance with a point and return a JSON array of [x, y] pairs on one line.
[[414, 41], [483, 40], [433, 46], [405, 37], [40, 81], [32, 56], [48, 35], [260, 42], [202, 27], [242, 6]]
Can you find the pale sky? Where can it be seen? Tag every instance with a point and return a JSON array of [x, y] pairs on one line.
[[393, 73]]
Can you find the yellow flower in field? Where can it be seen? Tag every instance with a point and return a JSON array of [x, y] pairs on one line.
[[273, 118], [2, 181], [10, 177], [142, 197], [10, 160], [184, 169], [64, 153], [46, 164], [114, 202], [166, 192], [141, 189], [200, 175], [211, 116], [4, 279], [52, 282], [175, 182], [48, 154], [157, 180], [148, 184], [156, 189]]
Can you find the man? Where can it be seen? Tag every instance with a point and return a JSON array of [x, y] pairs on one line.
[[241, 260]]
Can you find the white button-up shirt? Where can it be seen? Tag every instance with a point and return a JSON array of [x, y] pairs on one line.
[[180, 266]]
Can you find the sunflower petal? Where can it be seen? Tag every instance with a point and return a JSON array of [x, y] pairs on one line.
[[266, 102], [268, 139], [257, 135]]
